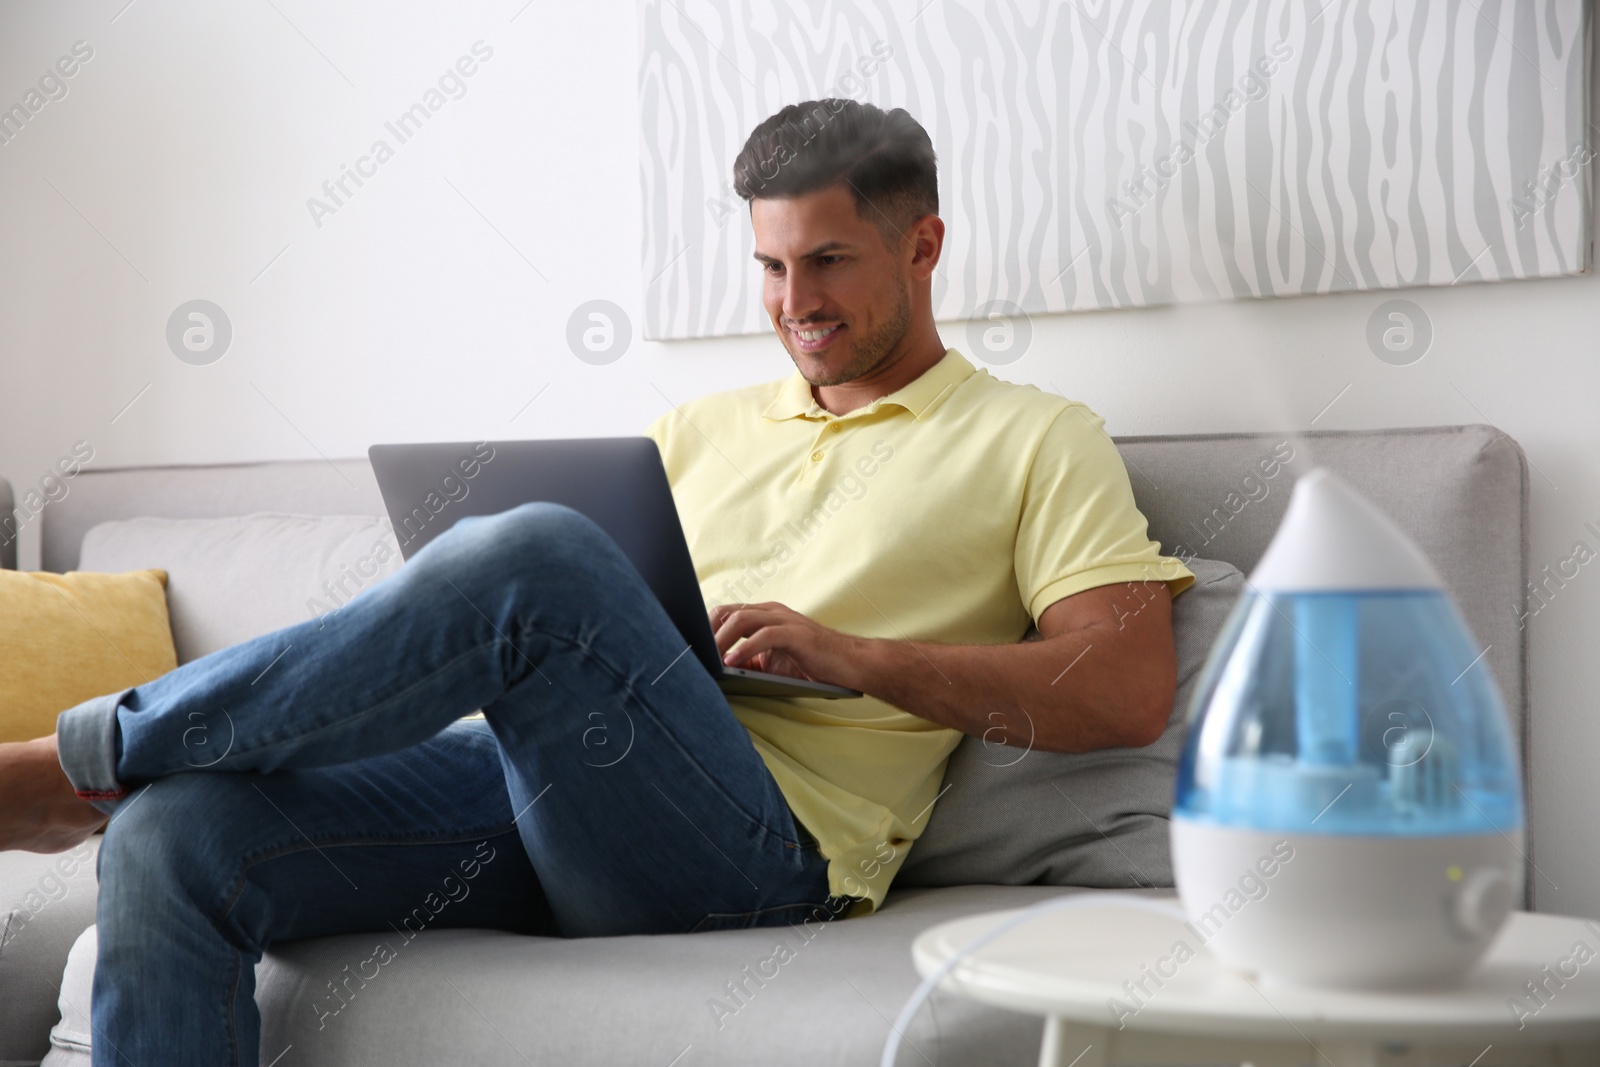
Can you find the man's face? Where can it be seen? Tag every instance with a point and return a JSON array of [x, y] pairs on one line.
[[826, 269]]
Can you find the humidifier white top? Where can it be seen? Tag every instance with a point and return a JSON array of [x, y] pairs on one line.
[[1333, 539]]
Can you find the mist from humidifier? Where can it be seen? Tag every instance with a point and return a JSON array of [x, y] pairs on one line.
[[1346, 694]]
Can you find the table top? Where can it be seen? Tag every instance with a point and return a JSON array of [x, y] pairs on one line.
[[1087, 965]]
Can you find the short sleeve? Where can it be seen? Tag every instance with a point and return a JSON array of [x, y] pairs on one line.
[[1080, 527]]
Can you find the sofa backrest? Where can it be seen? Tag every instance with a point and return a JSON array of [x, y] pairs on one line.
[[295, 487], [1460, 491]]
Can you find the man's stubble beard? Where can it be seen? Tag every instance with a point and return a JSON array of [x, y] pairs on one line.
[[871, 351]]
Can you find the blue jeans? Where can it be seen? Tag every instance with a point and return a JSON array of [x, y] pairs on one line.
[[317, 781]]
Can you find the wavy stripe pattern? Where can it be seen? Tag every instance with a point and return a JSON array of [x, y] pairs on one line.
[[1109, 153]]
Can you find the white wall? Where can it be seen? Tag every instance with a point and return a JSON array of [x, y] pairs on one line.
[[190, 142]]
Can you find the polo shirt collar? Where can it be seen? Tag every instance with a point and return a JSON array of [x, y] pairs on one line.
[[919, 396]]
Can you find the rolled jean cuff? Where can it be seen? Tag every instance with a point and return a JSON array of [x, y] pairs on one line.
[[86, 745]]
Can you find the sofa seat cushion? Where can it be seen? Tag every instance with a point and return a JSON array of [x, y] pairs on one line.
[[46, 901], [731, 997], [232, 579], [1012, 816]]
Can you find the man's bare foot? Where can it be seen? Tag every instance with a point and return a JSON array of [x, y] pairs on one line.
[[39, 812]]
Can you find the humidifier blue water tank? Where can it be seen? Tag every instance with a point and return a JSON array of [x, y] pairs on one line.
[[1349, 805]]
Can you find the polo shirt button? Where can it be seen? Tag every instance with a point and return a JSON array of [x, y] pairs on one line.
[[816, 457]]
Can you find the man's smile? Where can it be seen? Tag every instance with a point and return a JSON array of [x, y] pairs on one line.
[[815, 338]]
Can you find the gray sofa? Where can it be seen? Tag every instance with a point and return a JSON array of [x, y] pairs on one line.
[[1008, 817]]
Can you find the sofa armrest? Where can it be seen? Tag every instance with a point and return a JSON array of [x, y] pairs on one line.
[[8, 527]]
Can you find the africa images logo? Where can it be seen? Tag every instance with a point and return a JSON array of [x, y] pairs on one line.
[[451, 85]]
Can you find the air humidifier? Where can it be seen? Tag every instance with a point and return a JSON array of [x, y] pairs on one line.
[[1348, 809]]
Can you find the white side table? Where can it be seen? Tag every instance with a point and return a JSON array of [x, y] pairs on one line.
[[1115, 988]]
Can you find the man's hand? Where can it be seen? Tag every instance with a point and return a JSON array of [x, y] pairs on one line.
[[780, 640], [1102, 677]]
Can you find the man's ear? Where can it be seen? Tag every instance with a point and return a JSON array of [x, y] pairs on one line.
[[926, 239]]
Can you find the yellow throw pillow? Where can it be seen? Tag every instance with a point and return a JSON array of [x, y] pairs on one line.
[[65, 638]]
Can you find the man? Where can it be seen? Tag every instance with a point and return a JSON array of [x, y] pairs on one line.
[[888, 518]]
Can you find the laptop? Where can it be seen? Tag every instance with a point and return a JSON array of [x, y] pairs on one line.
[[617, 482]]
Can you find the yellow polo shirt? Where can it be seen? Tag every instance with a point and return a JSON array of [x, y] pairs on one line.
[[954, 510]]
